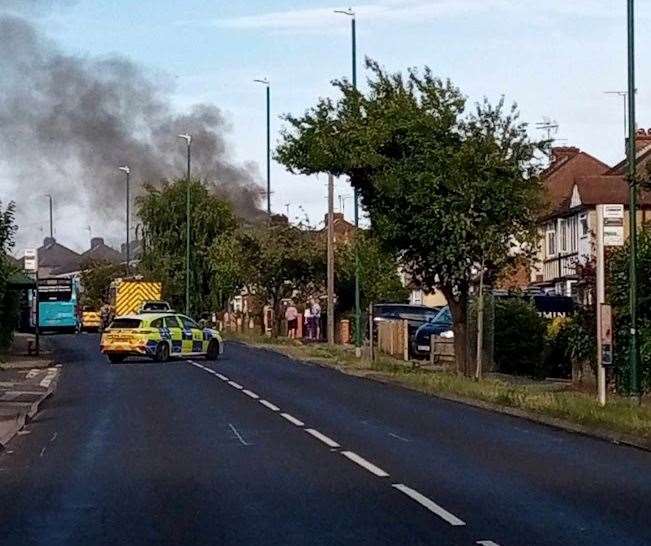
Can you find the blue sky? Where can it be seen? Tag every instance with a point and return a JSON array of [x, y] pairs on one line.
[[554, 58]]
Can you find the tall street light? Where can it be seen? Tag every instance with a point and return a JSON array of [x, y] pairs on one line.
[[126, 170], [634, 350], [358, 317], [266, 83], [49, 196], [188, 141]]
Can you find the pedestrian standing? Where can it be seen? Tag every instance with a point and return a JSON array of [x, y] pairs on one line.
[[315, 312], [291, 316], [307, 321]]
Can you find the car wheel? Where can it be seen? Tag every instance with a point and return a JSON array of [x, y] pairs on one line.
[[115, 358], [162, 352], [213, 350]]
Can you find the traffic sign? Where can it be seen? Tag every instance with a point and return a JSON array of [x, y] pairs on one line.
[[613, 225], [31, 260]]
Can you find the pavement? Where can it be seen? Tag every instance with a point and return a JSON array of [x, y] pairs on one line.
[[257, 449], [25, 382]]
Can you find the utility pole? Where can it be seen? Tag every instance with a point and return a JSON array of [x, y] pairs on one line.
[[634, 350], [127, 171], [480, 324], [268, 86], [188, 140], [358, 314], [331, 260]]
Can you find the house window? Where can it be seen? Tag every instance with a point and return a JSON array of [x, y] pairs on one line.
[[563, 238], [551, 242], [583, 221], [573, 233]]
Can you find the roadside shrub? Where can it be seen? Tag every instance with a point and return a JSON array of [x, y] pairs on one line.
[[617, 291], [519, 338]]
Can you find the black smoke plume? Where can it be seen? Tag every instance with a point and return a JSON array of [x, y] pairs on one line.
[[68, 122]]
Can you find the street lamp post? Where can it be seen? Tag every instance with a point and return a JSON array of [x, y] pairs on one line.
[[188, 140], [624, 96], [49, 196], [358, 316], [266, 83], [127, 171], [633, 354]]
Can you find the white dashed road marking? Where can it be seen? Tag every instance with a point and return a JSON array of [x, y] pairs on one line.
[[269, 405], [365, 464], [429, 504], [251, 394], [236, 385], [398, 437], [487, 543], [293, 419], [327, 441], [222, 377]]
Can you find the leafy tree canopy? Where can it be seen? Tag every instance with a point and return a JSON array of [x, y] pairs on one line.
[[445, 189], [163, 215], [96, 277]]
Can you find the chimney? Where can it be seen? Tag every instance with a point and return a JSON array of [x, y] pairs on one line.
[[96, 242], [561, 154], [642, 139], [336, 216], [49, 241]]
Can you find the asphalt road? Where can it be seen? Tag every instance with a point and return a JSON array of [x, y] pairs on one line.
[[257, 449]]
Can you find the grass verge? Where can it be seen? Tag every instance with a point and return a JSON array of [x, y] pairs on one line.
[[620, 416]]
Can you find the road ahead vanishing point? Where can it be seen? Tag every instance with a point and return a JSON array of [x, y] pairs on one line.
[[258, 449]]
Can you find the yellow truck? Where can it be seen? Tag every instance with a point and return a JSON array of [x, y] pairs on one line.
[[127, 296]]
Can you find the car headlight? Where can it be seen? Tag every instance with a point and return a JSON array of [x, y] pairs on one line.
[[448, 334]]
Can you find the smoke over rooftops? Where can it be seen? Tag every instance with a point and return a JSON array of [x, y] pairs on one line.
[[69, 122]]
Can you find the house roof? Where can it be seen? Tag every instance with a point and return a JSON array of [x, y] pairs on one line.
[[54, 255], [568, 163], [604, 189], [98, 252]]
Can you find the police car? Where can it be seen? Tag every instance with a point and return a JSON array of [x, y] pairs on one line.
[[159, 336]]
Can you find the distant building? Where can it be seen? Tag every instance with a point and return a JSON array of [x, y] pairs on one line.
[[53, 256], [576, 183], [98, 252]]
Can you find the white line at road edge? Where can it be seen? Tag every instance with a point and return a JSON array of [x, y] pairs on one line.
[[236, 385], [365, 464], [487, 543], [269, 405], [430, 505], [251, 394], [293, 419], [327, 441]]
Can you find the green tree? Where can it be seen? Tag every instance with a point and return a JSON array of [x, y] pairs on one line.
[[8, 298], [445, 190], [379, 274], [96, 277], [163, 215], [618, 292], [281, 261]]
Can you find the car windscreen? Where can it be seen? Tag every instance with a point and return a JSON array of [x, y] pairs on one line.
[[407, 312], [124, 323], [155, 306], [444, 316]]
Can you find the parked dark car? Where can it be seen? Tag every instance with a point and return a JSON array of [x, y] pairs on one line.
[[440, 324], [415, 315]]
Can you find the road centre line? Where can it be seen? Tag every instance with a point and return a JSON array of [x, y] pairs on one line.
[[365, 464], [327, 441], [236, 385], [430, 505], [251, 394], [487, 543], [293, 419], [269, 405], [222, 377]]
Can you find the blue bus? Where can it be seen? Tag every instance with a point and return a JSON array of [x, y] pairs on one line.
[[58, 304]]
